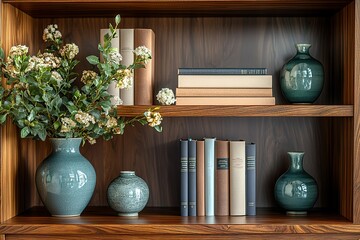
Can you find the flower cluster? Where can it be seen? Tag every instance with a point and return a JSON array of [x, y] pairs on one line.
[[44, 101], [166, 96]]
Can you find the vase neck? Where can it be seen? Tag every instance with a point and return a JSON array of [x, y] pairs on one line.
[[127, 173], [296, 161], [65, 145]]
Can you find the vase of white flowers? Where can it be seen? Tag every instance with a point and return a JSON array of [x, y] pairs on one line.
[[44, 102]]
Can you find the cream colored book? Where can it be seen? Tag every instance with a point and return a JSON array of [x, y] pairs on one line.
[[237, 178], [126, 51], [225, 100], [225, 81], [224, 92]]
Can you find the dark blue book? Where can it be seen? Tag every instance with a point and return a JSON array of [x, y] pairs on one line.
[[250, 153], [192, 177], [184, 185], [222, 71]]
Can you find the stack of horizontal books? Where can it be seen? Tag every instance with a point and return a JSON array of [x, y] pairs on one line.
[[224, 86]]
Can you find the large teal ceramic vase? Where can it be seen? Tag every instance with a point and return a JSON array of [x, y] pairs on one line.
[[296, 191], [302, 78], [128, 194], [65, 180]]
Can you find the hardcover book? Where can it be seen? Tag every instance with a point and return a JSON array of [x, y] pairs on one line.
[[222, 178], [192, 177], [225, 100], [209, 158], [184, 184], [225, 81], [223, 92], [222, 71], [250, 152], [200, 178], [126, 51], [237, 178]]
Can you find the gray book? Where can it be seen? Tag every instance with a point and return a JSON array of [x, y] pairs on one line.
[[250, 152], [192, 177], [184, 177]]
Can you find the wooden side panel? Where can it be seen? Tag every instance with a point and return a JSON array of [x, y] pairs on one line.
[[344, 90], [16, 28], [356, 186]]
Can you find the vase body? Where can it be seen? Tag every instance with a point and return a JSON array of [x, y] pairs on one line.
[[295, 190], [65, 180], [128, 194], [302, 78]]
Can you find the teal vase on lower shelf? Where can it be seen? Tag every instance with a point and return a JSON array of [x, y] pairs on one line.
[[302, 78], [295, 190], [65, 180]]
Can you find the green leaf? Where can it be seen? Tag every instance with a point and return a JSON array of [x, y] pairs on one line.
[[31, 116], [2, 54], [42, 134], [25, 132], [57, 124], [92, 59], [158, 128], [117, 19], [3, 118]]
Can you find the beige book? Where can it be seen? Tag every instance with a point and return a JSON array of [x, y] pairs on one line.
[[225, 100], [224, 92], [144, 77], [225, 81], [237, 178], [126, 51]]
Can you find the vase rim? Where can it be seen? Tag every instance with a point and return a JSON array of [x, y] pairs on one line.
[[296, 152], [127, 172], [303, 44]]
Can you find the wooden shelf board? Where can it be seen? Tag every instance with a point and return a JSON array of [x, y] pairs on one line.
[[244, 111], [102, 220], [93, 8]]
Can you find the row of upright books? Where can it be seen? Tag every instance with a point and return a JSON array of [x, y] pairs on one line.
[[217, 177], [141, 92], [224, 86]]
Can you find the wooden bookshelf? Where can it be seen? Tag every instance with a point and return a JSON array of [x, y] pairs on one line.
[[202, 33]]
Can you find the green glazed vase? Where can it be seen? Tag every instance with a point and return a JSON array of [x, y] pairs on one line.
[[128, 194], [302, 78], [65, 180], [295, 190]]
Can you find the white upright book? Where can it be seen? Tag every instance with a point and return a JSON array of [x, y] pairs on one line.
[[126, 51], [237, 178], [115, 43], [209, 159]]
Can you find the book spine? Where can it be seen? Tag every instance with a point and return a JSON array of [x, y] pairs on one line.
[[192, 177], [209, 157], [115, 43], [222, 178], [250, 152], [127, 48], [222, 71], [225, 100], [224, 92], [144, 77], [237, 178], [200, 178], [184, 177]]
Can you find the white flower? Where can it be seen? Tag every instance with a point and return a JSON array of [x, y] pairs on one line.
[[84, 118], [124, 78], [116, 100], [115, 57], [166, 96], [88, 76], [91, 140], [57, 77], [111, 122], [153, 118], [18, 50], [69, 51], [143, 54], [67, 125], [47, 60], [51, 33]]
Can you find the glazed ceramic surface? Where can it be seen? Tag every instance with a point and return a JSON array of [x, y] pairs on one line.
[[295, 190], [302, 78], [128, 194], [65, 180]]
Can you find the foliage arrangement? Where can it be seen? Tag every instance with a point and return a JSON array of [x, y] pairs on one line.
[[43, 101]]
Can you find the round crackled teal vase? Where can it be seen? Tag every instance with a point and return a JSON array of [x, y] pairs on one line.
[[302, 78], [65, 180], [128, 194], [295, 190]]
